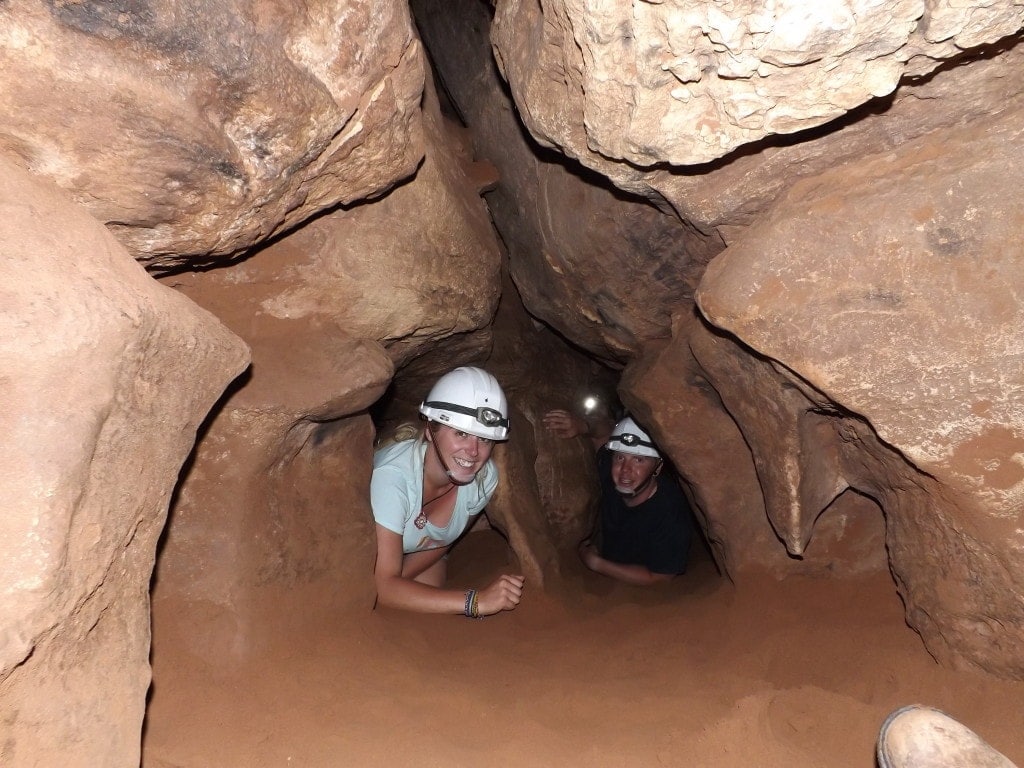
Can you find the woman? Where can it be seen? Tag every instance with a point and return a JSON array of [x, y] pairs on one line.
[[427, 490]]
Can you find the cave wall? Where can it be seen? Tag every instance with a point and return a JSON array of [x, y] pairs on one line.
[[913, 323], [790, 235], [195, 131], [95, 430]]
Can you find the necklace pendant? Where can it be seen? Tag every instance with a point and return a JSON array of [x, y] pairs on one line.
[[420, 521]]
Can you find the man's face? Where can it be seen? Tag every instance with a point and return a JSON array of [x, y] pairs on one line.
[[630, 472]]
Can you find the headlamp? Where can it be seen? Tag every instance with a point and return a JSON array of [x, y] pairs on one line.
[[630, 440], [489, 417]]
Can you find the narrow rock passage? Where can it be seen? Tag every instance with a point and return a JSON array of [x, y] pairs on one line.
[[797, 673]]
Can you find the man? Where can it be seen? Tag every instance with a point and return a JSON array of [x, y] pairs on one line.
[[645, 524]]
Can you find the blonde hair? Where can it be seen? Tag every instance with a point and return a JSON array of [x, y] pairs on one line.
[[407, 430]]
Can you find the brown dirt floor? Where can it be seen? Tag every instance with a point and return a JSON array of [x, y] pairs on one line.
[[796, 673]]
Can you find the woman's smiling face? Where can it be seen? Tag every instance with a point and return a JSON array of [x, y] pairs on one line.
[[463, 453]]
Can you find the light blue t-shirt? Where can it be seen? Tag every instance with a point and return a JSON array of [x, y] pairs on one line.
[[396, 495]]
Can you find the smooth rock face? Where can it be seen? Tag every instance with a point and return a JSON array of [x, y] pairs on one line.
[[198, 130], [108, 376]]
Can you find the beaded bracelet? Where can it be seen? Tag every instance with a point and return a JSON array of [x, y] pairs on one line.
[[471, 609]]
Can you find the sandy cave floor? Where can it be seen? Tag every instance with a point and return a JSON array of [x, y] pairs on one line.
[[796, 673]]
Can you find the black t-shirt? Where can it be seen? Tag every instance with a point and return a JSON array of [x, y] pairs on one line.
[[655, 534]]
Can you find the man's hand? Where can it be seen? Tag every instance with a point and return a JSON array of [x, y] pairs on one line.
[[638, 575], [589, 555], [563, 424]]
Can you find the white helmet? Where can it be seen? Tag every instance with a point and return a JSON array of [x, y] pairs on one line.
[[469, 399], [627, 437]]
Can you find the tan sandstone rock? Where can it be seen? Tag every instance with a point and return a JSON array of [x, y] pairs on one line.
[[198, 131], [701, 79]]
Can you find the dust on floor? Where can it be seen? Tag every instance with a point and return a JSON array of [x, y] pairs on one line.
[[796, 673]]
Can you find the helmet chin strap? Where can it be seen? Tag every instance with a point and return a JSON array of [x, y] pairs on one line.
[[444, 464]]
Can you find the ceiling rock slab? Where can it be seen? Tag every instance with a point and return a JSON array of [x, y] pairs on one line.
[[728, 195], [197, 130], [911, 319], [108, 375], [686, 83]]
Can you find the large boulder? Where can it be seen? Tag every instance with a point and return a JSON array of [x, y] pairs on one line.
[[688, 83], [197, 130]]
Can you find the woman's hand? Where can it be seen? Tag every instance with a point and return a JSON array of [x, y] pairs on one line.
[[503, 594]]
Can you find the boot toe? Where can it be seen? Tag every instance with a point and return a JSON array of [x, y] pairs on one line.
[[921, 737]]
